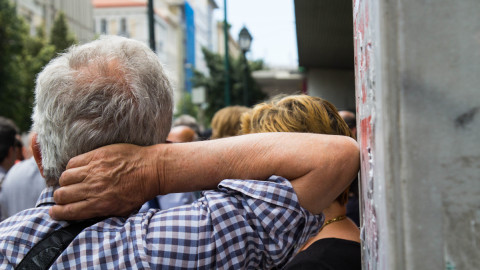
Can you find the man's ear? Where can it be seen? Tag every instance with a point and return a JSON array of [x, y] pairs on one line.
[[37, 154]]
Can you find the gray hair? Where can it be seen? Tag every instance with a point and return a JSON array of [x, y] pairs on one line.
[[111, 90], [189, 121]]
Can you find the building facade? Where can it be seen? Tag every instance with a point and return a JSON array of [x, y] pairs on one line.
[[182, 28], [199, 32], [204, 30], [129, 18], [79, 15], [233, 49]]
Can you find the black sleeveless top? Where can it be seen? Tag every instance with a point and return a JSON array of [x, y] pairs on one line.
[[328, 253]]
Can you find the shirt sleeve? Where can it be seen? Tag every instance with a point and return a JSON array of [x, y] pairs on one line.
[[263, 219], [243, 224]]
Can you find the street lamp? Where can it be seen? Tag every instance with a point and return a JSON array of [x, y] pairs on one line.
[[244, 41]]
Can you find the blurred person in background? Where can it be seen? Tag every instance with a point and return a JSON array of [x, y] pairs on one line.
[[22, 186], [19, 149], [181, 134], [102, 113], [8, 146], [350, 119], [353, 205], [27, 148], [191, 122], [226, 122], [337, 243]]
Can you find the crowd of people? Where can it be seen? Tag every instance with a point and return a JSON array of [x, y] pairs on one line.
[[112, 183]]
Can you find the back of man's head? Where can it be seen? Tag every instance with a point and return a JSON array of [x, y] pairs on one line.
[[112, 90], [8, 130], [189, 121], [182, 134], [349, 118]]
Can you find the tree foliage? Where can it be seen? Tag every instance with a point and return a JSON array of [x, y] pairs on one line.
[[22, 57], [215, 82], [186, 106], [13, 33], [61, 37], [37, 54]]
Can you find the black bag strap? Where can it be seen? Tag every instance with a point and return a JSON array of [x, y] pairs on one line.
[[45, 252]]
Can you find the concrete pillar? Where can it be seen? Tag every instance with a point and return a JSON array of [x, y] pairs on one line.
[[417, 68]]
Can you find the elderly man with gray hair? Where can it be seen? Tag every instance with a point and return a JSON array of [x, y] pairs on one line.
[[114, 91]]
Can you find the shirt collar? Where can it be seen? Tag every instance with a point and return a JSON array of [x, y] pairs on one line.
[[46, 197]]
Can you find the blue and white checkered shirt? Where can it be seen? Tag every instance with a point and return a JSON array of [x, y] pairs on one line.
[[244, 224]]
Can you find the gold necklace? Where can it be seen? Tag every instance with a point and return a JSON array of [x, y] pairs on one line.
[[330, 221]]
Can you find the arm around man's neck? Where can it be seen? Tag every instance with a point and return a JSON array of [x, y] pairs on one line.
[[319, 167]]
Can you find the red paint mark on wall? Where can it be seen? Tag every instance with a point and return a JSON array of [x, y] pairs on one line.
[[364, 94], [364, 49], [366, 132]]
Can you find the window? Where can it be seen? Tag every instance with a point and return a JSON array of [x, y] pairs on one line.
[[123, 28], [103, 27]]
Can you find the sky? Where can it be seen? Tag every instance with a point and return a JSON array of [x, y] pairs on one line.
[[272, 25]]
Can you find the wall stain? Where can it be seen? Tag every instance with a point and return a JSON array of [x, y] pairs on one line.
[[465, 118], [450, 266]]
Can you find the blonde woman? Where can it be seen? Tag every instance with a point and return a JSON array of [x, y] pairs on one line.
[[226, 122], [337, 243]]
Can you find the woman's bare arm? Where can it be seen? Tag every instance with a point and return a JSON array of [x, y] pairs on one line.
[[116, 179]]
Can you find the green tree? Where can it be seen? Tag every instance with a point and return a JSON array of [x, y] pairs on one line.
[[13, 33], [186, 106], [37, 54], [22, 57], [60, 36], [215, 82]]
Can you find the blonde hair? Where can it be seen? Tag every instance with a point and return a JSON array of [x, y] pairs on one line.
[[297, 113], [226, 122]]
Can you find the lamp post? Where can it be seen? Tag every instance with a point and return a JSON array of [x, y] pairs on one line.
[[245, 41], [151, 26], [227, 64]]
